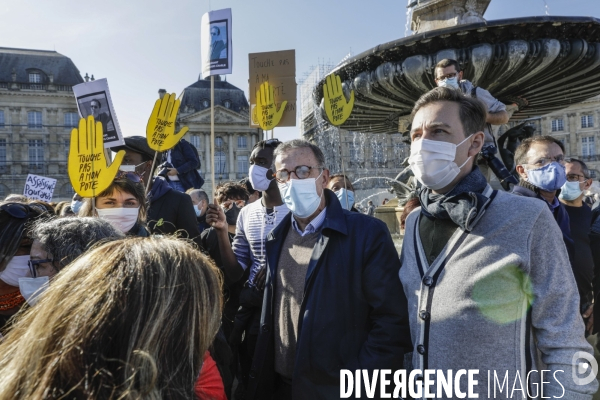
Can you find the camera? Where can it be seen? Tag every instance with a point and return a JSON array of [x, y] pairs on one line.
[[488, 153], [163, 169]]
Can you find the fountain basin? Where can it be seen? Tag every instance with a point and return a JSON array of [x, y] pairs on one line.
[[542, 64]]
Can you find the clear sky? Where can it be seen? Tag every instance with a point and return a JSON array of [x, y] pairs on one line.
[[143, 45]]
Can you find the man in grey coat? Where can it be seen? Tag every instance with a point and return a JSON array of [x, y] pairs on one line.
[[486, 273]]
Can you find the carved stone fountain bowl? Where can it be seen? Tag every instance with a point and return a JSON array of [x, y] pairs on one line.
[[542, 64]]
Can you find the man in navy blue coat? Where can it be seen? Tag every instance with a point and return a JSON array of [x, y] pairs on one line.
[[182, 167], [333, 299]]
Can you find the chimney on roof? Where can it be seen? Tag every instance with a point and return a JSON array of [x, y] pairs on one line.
[[161, 93], [92, 78], [86, 77]]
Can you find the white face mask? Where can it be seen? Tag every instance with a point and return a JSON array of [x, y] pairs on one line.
[[32, 288], [432, 162], [121, 218], [16, 268], [449, 82], [258, 177], [300, 196]]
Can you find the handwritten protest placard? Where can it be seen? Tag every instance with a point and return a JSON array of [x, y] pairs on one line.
[[278, 69], [160, 131], [337, 108], [39, 188], [88, 167]]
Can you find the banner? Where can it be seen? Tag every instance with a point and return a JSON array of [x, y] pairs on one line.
[[93, 99], [215, 41], [39, 188], [278, 68]]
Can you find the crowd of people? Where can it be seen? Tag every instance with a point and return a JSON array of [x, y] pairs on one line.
[[271, 288]]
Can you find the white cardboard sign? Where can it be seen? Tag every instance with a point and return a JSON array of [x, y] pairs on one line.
[[39, 188]]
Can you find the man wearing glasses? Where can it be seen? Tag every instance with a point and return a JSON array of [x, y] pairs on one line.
[[218, 48], [107, 124], [580, 218], [332, 299]]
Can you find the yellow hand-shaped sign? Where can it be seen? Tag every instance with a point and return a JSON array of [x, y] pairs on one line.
[[337, 108], [160, 131], [267, 114], [89, 171]]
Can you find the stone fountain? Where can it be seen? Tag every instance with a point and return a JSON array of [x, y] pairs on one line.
[[537, 64]]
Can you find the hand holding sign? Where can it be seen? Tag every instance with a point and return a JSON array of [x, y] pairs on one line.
[[266, 113], [160, 131], [89, 171], [337, 108]]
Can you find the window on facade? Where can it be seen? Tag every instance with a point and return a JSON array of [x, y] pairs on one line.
[[587, 121], [227, 104], [34, 119], [218, 142], [242, 142], [1, 119], [71, 120], [220, 162], [2, 152], [242, 162], [35, 77], [356, 154], [557, 125], [378, 154], [67, 149], [588, 147], [195, 141], [36, 153], [205, 103]]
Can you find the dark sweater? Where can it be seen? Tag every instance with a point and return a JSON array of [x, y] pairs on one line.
[[583, 263]]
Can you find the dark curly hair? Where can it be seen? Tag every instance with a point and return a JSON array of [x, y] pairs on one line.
[[231, 190]]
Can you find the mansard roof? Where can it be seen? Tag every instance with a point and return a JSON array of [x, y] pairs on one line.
[[48, 62]]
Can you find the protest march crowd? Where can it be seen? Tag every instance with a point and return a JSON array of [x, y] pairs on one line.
[[272, 288]]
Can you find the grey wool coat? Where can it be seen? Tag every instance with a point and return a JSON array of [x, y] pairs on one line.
[[500, 299]]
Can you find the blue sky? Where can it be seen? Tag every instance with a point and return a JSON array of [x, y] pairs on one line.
[[144, 45]]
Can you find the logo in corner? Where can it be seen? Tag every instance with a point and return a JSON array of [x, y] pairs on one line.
[[580, 367]]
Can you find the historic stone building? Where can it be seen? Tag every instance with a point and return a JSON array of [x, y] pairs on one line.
[[234, 138], [37, 113]]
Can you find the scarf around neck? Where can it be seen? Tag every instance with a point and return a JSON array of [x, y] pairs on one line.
[[462, 204]]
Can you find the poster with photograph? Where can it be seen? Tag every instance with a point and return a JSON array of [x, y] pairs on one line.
[[278, 68], [93, 98], [215, 34]]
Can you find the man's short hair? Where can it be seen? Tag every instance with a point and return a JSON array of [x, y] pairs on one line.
[[199, 195], [521, 152], [347, 180], [301, 144], [472, 112], [231, 190], [97, 102], [270, 143], [217, 28], [445, 63], [584, 168]]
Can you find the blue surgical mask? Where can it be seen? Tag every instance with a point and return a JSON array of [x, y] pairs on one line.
[[550, 177], [300, 196], [449, 82], [344, 194], [76, 205], [570, 191], [198, 212]]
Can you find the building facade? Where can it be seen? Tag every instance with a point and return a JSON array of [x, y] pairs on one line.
[[37, 112], [234, 137]]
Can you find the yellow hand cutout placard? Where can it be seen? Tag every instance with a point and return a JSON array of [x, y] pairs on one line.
[[88, 167], [266, 113], [337, 108], [160, 131]]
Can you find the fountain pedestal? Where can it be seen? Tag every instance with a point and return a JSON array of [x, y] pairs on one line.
[[390, 214], [437, 14]]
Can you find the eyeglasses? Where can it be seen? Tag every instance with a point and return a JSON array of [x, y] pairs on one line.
[[33, 266], [131, 176], [301, 171], [17, 210], [575, 178], [447, 76], [542, 162], [229, 203]]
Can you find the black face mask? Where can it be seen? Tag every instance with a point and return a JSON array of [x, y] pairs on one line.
[[231, 215]]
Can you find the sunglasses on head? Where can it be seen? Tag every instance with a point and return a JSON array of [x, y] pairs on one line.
[[130, 176], [17, 210]]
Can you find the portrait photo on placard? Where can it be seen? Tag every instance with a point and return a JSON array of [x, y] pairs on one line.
[[96, 104], [215, 41]]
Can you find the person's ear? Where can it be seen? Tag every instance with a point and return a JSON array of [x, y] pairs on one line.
[[521, 171], [325, 177], [460, 76], [476, 144], [587, 184]]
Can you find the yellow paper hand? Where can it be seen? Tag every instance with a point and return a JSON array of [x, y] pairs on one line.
[[336, 107], [266, 113], [160, 131], [89, 171]]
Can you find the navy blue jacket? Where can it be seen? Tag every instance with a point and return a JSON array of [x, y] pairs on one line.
[[186, 163], [354, 313]]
